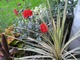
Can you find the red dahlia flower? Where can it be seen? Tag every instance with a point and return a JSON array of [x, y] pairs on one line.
[[15, 12], [26, 13], [43, 28]]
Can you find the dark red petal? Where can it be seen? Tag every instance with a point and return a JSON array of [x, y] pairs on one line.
[[26, 13], [43, 28]]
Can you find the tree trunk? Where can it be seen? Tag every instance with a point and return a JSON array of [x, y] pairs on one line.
[[75, 27]]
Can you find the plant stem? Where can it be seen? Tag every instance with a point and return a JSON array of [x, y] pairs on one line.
[[5, 49]]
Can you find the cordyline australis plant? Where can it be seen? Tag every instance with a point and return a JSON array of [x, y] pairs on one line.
[[53, 44]]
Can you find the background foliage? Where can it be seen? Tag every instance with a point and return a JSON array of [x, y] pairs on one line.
[[7, 16]]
